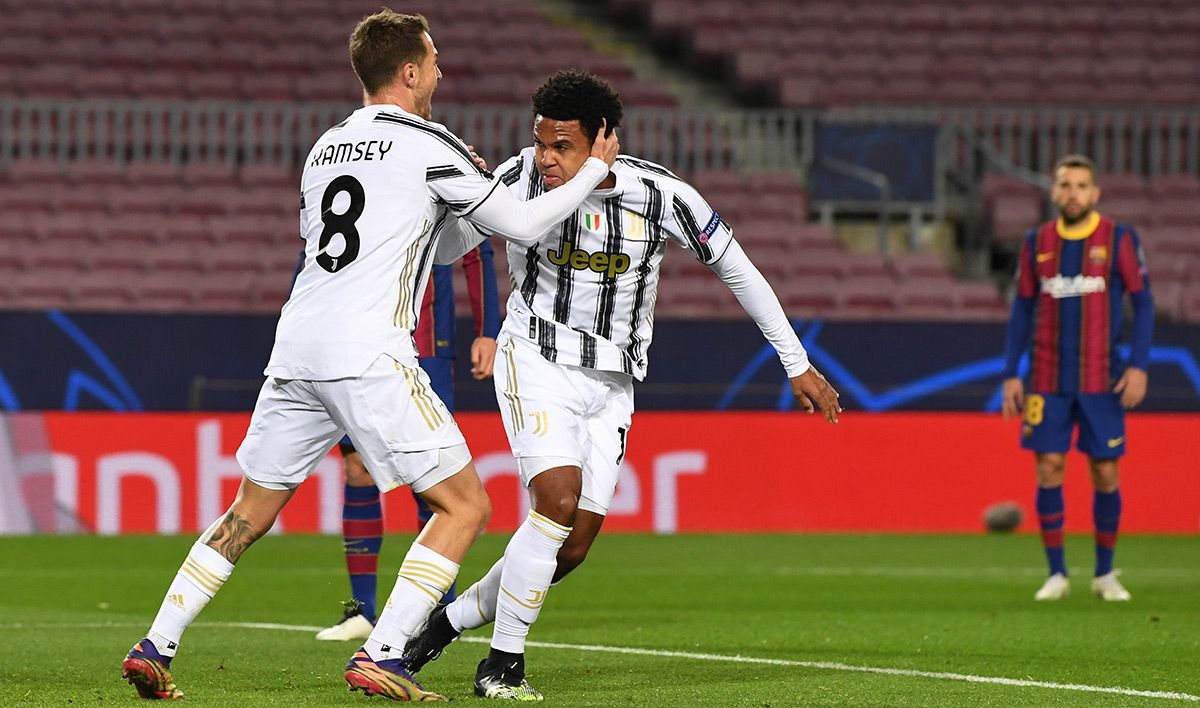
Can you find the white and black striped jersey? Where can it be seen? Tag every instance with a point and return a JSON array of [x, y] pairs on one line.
[[377, 192], [585, 291]]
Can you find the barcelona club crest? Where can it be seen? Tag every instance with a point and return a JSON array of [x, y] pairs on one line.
[[1098, 254], [591, 222]]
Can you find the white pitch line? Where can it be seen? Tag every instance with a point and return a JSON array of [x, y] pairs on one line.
[[825, 665], [838, 666]]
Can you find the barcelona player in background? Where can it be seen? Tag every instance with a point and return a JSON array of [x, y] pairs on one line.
[[1072, 278]]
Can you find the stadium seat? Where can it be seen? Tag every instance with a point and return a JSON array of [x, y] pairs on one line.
[[1014, 215], [917, 300], [101, 290], [809, 296], [37, 290], [980, 300], [869, 295], [925, 269]]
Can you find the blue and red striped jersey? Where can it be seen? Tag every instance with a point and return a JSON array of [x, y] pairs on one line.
[[1072, 281], [435, 325]]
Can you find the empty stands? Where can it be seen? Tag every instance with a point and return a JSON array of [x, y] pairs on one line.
[[492, 52], [937, 52]]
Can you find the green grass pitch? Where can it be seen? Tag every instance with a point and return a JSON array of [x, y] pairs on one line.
[[717, 620]]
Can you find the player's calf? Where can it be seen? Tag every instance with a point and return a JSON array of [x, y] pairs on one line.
[[428, 644]]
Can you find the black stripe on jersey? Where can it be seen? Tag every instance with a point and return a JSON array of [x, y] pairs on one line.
[[691, 229], [566, 274], [546, 337], [654, 217], [433, 174], [608, 285], [536, 186], [418, 296], [647, 166], [587, 350], [456, 205], [479, 203], [440, 133], [514, 173], [529, 286]]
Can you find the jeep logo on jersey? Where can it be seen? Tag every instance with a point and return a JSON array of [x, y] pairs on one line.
[[610, 264]]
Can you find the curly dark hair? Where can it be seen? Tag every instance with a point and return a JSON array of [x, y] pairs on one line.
[[578, 95]]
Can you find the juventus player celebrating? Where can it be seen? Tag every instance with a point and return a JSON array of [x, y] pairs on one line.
[[377, 191], [579, 324]]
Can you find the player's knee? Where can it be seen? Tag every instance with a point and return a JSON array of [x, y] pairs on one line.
[[356, 473], [477, 512], [1104, 476], [559, 507], [1051, 469]]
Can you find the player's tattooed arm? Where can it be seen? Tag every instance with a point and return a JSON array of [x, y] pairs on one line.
[[231, 536]]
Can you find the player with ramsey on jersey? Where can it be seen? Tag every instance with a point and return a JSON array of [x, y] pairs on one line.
[[378, 190]]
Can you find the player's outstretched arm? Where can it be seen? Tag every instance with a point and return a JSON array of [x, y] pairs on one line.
[[1013, 398], [458, 238], [812, 388], [1132, 387]]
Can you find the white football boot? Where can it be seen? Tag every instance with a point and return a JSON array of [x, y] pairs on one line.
[[352, 627], [1109, 589], [1056, 587]]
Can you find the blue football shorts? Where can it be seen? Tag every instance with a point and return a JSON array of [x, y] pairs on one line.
[[1050, 419]]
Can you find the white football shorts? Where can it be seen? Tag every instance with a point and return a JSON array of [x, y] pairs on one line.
[[559, 415], [398, 424]]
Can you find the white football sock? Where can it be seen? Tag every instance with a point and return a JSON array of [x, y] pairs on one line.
[[529, 563], [477, 606], [202, 574], [424, 578]]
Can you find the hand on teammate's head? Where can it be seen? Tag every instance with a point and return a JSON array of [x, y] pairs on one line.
[[606, 147]]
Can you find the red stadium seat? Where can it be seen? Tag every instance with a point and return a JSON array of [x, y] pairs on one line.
[[162, 292], [809, 296], [42, 291], [102, 290], [916, 299], [927, 269], [818, 264], [1014, 215]]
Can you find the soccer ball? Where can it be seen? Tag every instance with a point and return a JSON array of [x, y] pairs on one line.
[[1003, 517]]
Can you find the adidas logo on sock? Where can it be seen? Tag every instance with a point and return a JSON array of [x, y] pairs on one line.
[[176, 600]]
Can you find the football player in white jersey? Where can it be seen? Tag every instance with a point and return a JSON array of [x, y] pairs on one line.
[[579, 323], [377, 191]]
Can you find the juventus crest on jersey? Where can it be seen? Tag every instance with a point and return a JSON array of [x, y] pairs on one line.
[[585, 292], [376, 192]]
